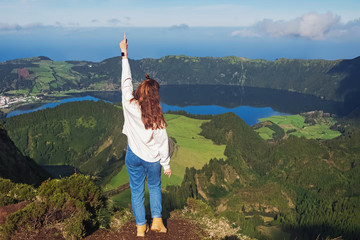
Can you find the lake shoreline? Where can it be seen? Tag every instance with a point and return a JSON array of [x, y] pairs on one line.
[[213, 99], [249, 114]]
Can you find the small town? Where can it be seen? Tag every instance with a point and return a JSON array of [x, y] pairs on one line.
[[6, 102]]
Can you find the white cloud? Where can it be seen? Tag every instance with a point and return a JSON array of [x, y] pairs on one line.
[[315, 26], [312, 26]]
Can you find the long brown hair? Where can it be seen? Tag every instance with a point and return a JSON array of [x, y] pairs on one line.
[[147, 95]]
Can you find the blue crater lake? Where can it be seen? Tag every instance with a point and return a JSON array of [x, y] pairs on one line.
[[248, 103], [249, 114]]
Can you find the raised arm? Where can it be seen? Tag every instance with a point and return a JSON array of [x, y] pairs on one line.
[[123, 47], [126, 80]]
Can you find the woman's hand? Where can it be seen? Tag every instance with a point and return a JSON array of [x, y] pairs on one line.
[[168, 172], [124, 45]]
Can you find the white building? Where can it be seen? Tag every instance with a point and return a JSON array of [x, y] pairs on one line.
[[4, 101]]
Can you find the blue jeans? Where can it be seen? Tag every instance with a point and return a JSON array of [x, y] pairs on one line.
[[138, 169]]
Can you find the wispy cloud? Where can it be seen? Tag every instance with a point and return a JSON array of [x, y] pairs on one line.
[[73, 24], [18, 27], [114, 21], [182, 26], [312, 26]]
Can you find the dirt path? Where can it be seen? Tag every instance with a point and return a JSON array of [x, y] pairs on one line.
[[178, 229]]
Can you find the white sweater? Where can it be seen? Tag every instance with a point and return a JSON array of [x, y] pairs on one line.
[[150, 145]]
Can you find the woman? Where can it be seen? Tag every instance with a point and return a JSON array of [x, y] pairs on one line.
[[148, 148]]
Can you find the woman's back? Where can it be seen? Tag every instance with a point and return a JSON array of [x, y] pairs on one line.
[[149, 144]]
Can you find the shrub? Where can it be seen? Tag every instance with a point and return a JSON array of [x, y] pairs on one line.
[[22, 192], [103, 217], [6, 185], [11, 193], [215, 227], [75, 201], [28, 218], [6, 200], [121, 217], [199, 207]]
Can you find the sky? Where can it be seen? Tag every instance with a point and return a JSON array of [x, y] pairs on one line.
[[92, 29]]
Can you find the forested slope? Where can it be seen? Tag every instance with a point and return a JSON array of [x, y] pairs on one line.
[[86, 135], [15, 166]]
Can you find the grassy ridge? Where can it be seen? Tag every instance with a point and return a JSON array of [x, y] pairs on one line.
[[192, 150]]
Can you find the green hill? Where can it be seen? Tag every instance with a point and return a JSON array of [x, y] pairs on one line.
[[332, 80], [15, 166], [243, 145], [305, 187], [86, 135]]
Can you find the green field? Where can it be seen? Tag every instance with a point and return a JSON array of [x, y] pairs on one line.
[[287, 122], [265, 133], [191, 150], [121, 178], [297, 127], [52, 74], [123, 199]]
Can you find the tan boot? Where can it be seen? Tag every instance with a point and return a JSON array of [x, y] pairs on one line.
[[158, 226], [141, 230]]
